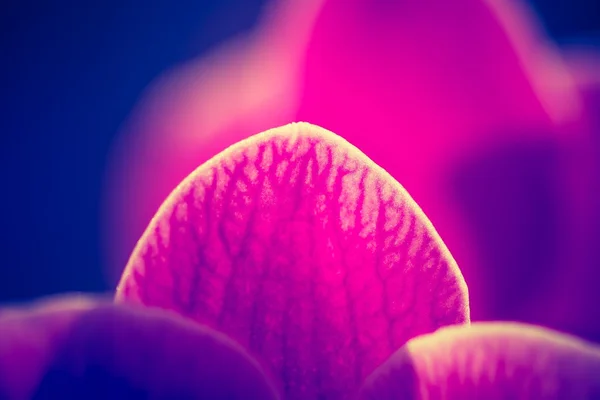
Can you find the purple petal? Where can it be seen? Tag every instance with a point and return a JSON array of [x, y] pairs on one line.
[[80, 348], [489, 361]]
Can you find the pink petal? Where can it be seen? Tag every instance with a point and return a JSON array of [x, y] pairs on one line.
[[299, 247], [489, 361]]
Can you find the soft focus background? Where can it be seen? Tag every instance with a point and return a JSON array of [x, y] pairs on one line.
[[70, 76]]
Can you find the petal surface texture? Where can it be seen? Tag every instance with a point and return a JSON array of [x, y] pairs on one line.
[[295, 244], [81, 348], [489, 361]]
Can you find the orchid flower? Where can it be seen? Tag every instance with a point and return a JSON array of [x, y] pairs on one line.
[[466, 103], [289, 266]]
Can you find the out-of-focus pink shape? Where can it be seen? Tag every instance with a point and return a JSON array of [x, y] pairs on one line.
[[489, 361], [476, 115], [447, 83], [306, 252]]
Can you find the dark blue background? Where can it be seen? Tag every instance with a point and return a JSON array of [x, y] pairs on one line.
[[70, 73]]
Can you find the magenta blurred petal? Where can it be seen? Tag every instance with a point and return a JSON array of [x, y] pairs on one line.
[[298, 246], [472, 110], [489, 361]]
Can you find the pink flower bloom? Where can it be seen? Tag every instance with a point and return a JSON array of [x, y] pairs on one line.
[[310, 273], [465, 103]]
